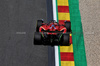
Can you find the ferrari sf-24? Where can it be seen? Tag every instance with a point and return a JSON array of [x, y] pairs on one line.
[[52, 33]]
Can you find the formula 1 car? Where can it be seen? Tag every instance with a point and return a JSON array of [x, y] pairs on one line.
[[52, 33]]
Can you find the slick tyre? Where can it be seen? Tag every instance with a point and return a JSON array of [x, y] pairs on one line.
[[65, 40], [68, 26], [37, 38], [39, 23]]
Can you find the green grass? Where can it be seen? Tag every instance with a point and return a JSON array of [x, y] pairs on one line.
[[77, 34]]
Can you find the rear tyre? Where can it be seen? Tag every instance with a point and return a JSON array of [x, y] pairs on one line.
[[37, 38], [68, 26], [39, 23], [65, 40], [60, 36]]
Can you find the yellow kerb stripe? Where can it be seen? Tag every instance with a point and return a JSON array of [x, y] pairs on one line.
[[64, 16], [70, 34], [63, 3], [67, 63], [66, 48]]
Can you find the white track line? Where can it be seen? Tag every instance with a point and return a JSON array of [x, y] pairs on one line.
[[54, 10], [56, 47]]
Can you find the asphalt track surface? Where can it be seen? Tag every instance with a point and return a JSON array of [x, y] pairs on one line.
[[51, 49], [17, 25], [21, 15]]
